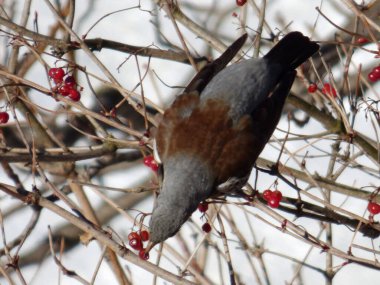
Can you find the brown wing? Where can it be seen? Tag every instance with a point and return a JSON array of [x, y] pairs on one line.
[[201, 129]]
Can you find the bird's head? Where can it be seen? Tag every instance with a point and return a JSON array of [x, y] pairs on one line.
[[186, 183]]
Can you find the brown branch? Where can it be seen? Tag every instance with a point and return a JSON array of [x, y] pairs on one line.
[[335, 126], [322, 182], [98, 44], [12, 156], [101, 235]]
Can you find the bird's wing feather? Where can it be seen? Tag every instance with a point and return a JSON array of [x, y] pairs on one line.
[[243, 86], [203, 77], [181, 109], [252, 133], [202, 132]]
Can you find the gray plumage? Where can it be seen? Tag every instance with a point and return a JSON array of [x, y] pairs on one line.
[[176, 200], [238, 82]]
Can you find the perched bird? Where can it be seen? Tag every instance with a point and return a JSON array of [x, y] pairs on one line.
[[211, 136]]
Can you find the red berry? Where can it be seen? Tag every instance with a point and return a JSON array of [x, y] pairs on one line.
[[206, 228], [249, 198], [146, 134], [203, 207], [267, 194], [362, 40], [148, 160], [241, 2], [70, 81], [373, 208], [143, 255], [136, 243], [57, 74], [74, 95], [154, 166], [64, 90], [376, 71], [277, 195], [274, 203], [372, 76], [133, 235], [144, 235], [234, 14], [312, 88], [329, 90], [4, 117], [57, 81]]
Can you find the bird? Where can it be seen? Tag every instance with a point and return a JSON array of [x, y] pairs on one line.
[[210, 137]]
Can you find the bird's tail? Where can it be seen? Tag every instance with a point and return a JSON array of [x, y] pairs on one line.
[[292, 50]]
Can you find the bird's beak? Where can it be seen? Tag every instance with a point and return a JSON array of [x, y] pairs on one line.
[[149, 246]]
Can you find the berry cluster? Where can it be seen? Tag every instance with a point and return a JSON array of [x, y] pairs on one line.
[[374, 75], [373, 208], [273, 198], [67, 86], [327, 89], [150, 162], [136, 240], [4, 117], [203, 207]]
